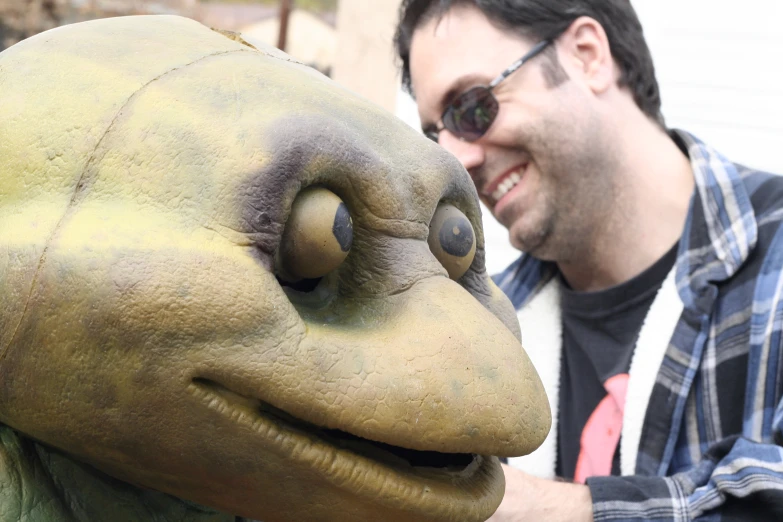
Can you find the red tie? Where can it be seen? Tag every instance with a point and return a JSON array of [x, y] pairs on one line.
[[602, 431]]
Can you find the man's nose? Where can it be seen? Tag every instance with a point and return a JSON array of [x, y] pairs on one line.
[[470, 154]]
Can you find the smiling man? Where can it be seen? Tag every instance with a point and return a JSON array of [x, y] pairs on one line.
[[646, 258]]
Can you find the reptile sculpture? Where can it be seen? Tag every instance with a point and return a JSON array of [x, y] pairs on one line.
[[231, 288]]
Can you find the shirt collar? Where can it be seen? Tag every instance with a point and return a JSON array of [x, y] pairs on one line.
[[720, 230]]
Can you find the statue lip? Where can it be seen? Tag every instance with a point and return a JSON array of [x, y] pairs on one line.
[[448, 486]]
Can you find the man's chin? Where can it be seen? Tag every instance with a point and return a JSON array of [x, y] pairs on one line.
[[533, 242]]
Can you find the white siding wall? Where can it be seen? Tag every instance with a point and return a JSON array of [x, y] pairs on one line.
[[720, 67], [719, 64]]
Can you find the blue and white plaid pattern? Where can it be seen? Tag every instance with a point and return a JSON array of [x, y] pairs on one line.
[[711, 443]]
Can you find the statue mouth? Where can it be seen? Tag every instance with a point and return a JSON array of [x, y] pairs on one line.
[[442, 485], [394, 456]]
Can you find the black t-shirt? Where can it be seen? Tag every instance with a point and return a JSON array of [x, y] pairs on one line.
[[600, 330]]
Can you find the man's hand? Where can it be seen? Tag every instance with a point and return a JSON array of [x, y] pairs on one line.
[[529, 498]]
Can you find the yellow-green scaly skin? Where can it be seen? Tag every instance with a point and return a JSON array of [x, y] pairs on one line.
[[147, 168]]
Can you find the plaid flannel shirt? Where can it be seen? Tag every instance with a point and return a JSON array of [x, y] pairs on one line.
[[711, 442]]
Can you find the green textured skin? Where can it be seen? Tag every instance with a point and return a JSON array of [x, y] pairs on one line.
[[150, 361]]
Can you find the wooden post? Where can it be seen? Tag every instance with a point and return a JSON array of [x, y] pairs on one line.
[[364, 61], [282, 35]]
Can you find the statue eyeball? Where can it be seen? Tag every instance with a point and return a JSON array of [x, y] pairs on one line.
[[317, 236], [452, 240]]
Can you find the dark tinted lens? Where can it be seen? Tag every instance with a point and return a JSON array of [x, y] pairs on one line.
[[432, 134], [471, 114]]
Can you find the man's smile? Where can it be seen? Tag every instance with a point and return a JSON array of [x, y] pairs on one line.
[[499, 187]]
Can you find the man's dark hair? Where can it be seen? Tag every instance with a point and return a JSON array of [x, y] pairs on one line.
[[544, 19]]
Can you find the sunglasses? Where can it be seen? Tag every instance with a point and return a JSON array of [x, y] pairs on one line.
[[469, 115]]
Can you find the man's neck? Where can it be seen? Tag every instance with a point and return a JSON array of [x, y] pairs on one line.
[[655, 185]]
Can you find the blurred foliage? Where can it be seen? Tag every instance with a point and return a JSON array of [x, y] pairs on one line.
[[20, 19], [310, 5]]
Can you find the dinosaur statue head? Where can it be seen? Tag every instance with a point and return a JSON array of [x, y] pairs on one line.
[[226, 278]]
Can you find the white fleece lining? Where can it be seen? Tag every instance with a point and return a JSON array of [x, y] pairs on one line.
[[654, 339], [542, 338], [540, 322]]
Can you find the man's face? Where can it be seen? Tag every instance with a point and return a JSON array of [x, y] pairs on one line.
[[540, 168]]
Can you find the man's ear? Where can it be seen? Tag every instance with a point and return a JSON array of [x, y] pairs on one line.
[[585, 49]]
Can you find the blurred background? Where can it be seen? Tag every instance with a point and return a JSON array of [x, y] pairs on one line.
[[718, 62]]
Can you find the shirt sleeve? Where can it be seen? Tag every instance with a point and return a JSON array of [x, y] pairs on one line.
[[737, 480]]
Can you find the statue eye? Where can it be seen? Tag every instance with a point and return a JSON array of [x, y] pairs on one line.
[[452, 240], [317, 236]]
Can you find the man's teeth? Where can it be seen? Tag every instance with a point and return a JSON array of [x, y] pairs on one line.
[[506, 185]]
